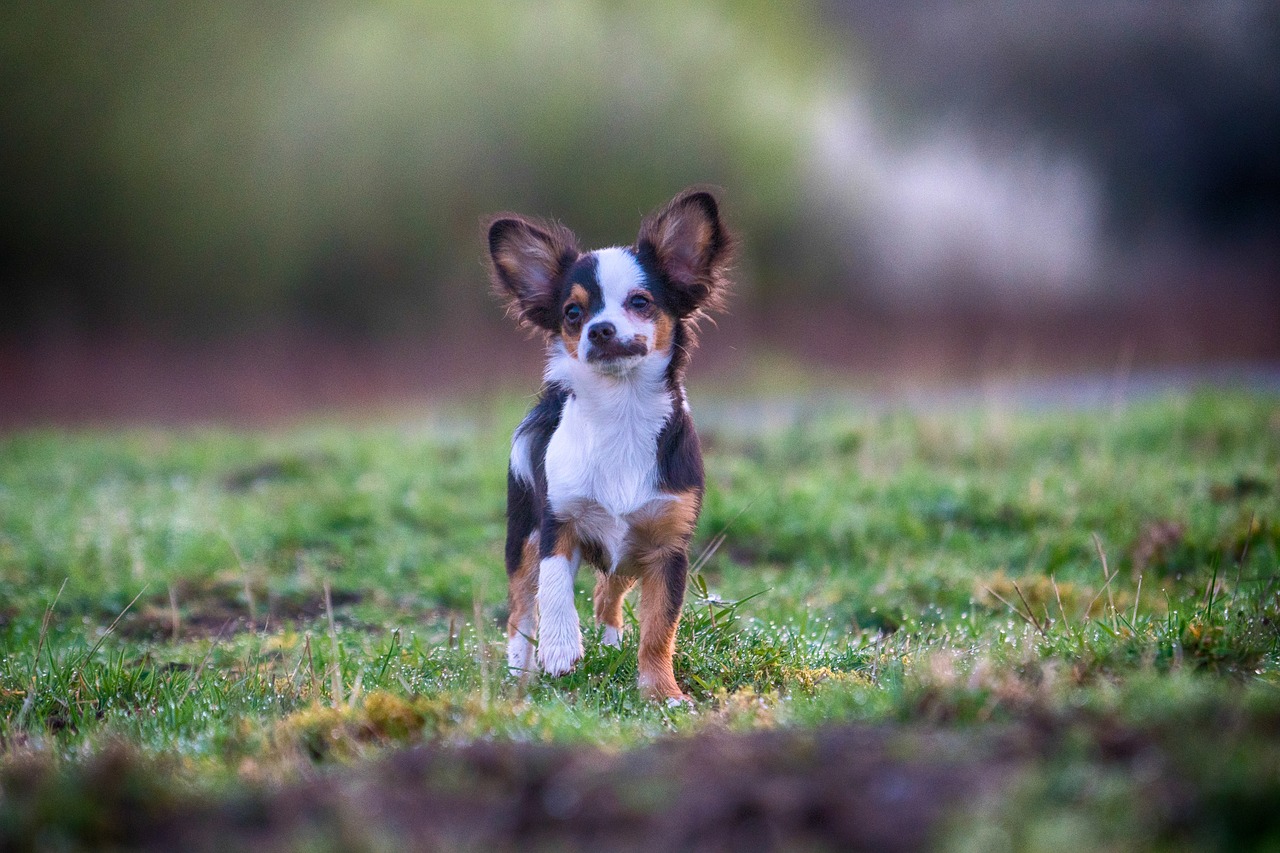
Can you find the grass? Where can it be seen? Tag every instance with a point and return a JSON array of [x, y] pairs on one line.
[[249, 606]]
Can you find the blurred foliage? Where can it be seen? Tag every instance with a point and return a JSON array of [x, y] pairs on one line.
[[180, 165], [1172, 104], [333, 161]]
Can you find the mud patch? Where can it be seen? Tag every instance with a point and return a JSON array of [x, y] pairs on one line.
[[867, 787], [194, 610], [1115, 784]]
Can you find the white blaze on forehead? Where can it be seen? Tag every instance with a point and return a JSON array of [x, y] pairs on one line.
[[618, 273]]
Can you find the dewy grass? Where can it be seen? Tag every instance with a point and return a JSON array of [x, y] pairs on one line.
[[251, 604]]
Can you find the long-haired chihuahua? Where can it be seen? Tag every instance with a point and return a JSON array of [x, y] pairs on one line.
[[606, 467]]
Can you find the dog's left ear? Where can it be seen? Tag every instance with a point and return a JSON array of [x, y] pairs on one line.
[[692, 247]]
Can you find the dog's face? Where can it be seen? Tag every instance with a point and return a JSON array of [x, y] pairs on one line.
[[613, 308], [611, 316]]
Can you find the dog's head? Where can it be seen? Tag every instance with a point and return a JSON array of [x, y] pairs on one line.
[[613, 308]]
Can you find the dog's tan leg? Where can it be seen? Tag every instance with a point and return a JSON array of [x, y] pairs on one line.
[[522, 625], [610, 590], [661, 596]]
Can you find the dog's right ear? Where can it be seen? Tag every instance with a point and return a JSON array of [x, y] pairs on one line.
[[529, 260]]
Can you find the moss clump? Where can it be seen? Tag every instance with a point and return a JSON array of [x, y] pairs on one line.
[[394, 718]]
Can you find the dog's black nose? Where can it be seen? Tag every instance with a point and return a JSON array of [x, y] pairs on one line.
[[601, 332]]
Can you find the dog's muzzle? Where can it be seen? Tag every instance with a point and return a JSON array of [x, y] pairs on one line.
[[604, 345], [614, 350]]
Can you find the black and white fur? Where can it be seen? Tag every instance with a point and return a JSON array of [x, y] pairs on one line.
[[606, 467]]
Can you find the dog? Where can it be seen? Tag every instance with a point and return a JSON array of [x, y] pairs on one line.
[[607, 467]]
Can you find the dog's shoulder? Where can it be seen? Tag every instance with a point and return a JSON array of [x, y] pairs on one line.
[[529, 444], [679, 454], [544, 417]]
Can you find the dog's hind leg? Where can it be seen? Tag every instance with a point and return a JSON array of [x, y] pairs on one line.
[[610, 590]]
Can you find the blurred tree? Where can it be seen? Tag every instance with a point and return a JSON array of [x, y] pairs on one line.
[[183, 164], [180, 165], [1175, 105]]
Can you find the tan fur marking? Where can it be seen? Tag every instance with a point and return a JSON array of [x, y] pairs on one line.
[[663, 329], [566, 542], [508, 260], [657, 638], [609, 593], [522, 586], [572, 335], [652, 540]]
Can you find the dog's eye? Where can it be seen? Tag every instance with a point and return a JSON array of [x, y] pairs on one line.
[[638, 302], [572, 313]]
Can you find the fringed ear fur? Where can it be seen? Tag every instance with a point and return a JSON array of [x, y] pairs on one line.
[[528, 260], [692, 248]]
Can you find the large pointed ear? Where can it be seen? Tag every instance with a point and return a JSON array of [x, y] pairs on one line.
[[692, 247], [529, 259]]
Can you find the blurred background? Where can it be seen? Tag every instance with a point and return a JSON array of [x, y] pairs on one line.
[[244, 211]]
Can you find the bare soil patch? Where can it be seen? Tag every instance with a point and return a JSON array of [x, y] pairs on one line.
[[850, 788], [212, 609]]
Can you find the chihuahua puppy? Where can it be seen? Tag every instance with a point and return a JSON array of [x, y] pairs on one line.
[[606, 467]]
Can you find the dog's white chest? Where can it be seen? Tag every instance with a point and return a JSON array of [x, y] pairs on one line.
[[602, 465], [609, 461]]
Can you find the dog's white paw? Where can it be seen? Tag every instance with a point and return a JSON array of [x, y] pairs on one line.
[[557, 655], [559, 634], [520, 657], [611, 637]]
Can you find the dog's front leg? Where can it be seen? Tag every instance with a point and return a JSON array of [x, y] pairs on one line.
[[559, 635], [661, 597], [522, 624]]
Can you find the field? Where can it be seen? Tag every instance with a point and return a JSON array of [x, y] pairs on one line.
[[982, 628]]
